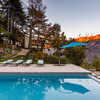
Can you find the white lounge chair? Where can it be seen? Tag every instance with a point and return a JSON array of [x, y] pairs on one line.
[[17, 62], [40, 62], [28, 62], [7, 62]]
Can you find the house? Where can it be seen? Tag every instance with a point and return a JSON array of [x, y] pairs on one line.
[[34, 41]]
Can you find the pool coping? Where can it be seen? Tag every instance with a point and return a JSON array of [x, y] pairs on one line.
[[48, 69], [94, 78], [18, 73]]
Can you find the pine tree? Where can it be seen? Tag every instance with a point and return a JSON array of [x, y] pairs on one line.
[[37, 23], [15, 16]]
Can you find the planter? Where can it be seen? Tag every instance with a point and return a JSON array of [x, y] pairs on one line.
[[91, 69]]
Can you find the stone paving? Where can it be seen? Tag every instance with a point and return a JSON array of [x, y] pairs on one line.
[[96, 74], [47, 68], [23, 52]]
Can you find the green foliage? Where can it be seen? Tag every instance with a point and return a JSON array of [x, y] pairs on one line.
[[1, 40], [87, 64], [36, 11], [17, 36], [55, 37], [42, 44], [3, 33], [56, 53], [32, 50], [1, 60], [55, 60], [19, 57], [2, 27], [12, 12], [58, 41], [3, 30], [96, 63], [5, 54], [18, 48], [29, 56], [55, 42], [75, 54], [38, 56], [5, 46], [15, 58]]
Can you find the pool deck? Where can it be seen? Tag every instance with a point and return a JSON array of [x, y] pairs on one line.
[[47, 69]]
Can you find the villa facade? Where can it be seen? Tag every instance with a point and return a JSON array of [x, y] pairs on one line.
[[34, 41]]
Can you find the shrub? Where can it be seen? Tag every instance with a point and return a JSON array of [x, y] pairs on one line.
[[32, 50], [87, 64], [55, 60], [38, 55], [29, 55], [19, 57], [18, 48], [96, 63], [75, 54], [56, 54], [5, 45]]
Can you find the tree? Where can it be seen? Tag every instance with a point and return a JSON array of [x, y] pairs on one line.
[[56, 38], [75, 54], [53, 31], [36, 14], [14, 14], [3, 31]]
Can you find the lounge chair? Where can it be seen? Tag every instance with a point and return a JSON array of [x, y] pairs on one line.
[[17, 62], [28, 62], [7, 62], [40, 62]]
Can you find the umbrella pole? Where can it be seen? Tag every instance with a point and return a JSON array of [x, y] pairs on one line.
[[59, 57], [59, 61]]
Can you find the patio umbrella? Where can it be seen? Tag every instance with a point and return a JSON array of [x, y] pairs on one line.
[[73, 44]]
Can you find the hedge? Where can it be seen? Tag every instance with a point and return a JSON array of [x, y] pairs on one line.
[[55, 60]]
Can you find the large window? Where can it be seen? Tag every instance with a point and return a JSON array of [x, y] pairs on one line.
[[34, 42]]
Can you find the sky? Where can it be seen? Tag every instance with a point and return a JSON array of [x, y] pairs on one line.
[[76, 17]]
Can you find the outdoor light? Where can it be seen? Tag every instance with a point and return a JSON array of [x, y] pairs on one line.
[[2, 33]]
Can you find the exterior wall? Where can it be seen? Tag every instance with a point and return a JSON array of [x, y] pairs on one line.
[[34, 42], [26, 41]]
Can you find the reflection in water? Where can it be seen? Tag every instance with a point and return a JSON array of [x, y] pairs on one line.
[[37, 88], [75, 87]]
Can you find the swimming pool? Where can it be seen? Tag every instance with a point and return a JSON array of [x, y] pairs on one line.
[[48, 87]]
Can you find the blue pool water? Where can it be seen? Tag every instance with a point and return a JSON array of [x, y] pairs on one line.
[[30, 87]]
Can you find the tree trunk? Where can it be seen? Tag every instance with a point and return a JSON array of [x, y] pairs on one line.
[[11, 21], [30, 36], [13, 30], [8, 20], [38, 41], [8, 25]]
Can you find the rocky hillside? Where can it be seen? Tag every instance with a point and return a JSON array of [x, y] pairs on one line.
[[93, 49]]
